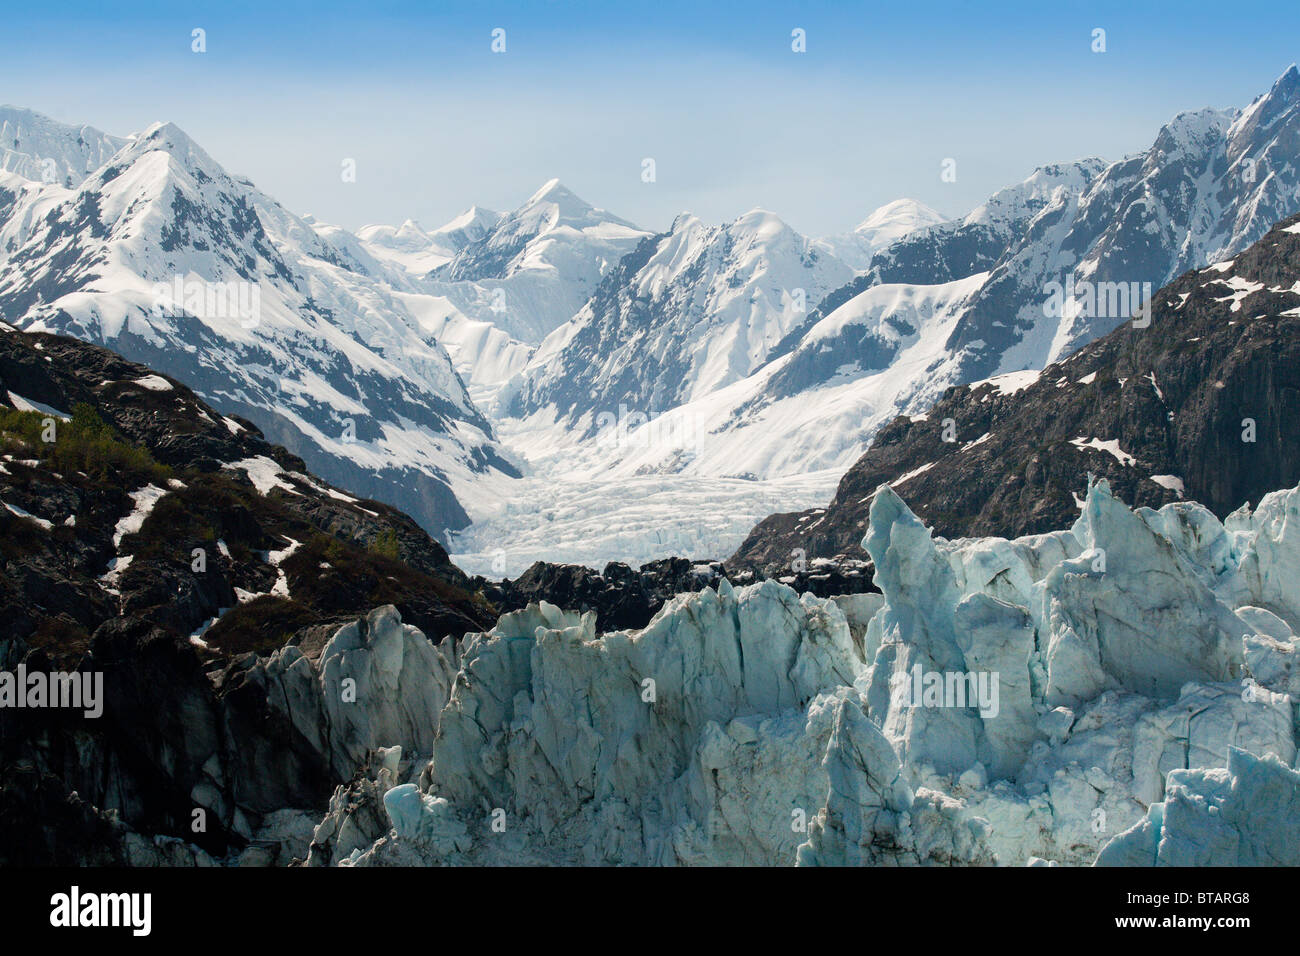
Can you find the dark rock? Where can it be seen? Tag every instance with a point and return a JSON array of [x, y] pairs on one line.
[[624, 598], [184, 724]]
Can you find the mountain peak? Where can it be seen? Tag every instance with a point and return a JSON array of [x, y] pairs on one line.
[[1284, 92], [1288, 81], [475, 221], [171, 139], [552, 191], [166, 135], [883, 226], [684, 221], [412, 228], [758, 214], [1258, 119], [901, 212], [30, 142], [553, 205], [763, 224]]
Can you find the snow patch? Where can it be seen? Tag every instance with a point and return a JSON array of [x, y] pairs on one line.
[[914, 473], [1111, 447], [28, 405], [1011, 382], [145, 498], [1172, 482], [155, 383], [14, 509], [265, 474]]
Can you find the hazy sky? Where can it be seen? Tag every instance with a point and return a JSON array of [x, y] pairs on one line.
[[585, 91]]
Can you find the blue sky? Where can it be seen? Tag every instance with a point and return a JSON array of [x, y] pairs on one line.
[[585, 91]]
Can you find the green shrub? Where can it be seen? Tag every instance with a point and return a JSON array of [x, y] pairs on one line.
[[86, 421], [385, 544], [86, 443], [263, 626]]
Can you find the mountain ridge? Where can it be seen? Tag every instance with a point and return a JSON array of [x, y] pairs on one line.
[[267, 320], [1201, 404]]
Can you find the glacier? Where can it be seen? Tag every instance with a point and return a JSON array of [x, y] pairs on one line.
[[1244, 814], [1144, 665]]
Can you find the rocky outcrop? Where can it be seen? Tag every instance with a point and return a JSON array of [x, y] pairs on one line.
[[245, 757], [626, 598], [148, 505], [216, 588]]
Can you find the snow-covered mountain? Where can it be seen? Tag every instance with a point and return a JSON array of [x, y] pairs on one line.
[[533, 269], [168, 260], [688, 312], [810, 388], [1212, 183], [976, 242], [41, 149], [952, 302], [417, 253], [1165, 412], [713, 354], [886, 225], [490, 287]]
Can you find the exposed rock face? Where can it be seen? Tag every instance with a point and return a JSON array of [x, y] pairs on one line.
[[1203, 404], [627, 598], [755, 726], [250, 752], [153, 474], [208, 579], [620, 596]]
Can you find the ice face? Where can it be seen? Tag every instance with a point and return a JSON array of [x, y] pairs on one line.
[[1247, 814], [1135, 657]]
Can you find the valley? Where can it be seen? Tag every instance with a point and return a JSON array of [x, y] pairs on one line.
[[545, 538]]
